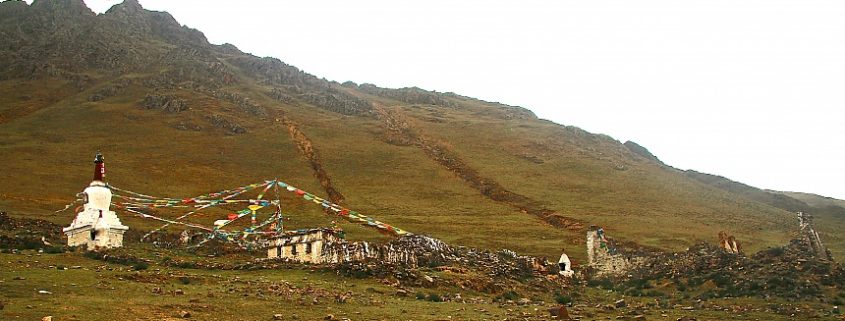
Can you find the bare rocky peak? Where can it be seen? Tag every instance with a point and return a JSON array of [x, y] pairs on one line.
[[63, 7], [145, 23], [126, 7]]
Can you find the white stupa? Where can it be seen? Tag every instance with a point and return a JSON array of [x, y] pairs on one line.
[[96, 226]]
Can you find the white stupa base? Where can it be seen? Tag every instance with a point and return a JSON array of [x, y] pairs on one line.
[[95, 228]]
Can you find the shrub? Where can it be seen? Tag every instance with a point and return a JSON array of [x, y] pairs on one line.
[[141, 266], [638, 284], [775, 251], [721, 279], [606, 284], [434, 297], [184, 280], [634, 292], [562, 298], [54, 249], [694, 282], [708, 295], [510, 295], [420, 296]]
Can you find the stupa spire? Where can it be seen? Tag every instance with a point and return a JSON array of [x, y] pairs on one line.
[[99, 167]]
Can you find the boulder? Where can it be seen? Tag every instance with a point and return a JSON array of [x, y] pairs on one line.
[[560, 312], [620, 303]]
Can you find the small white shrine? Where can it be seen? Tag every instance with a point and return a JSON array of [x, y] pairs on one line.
[[96, 226], [302, 246]]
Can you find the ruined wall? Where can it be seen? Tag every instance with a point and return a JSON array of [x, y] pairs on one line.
[[729, 243], [605, 260], [417, 250], [811, 237], [405, 250]]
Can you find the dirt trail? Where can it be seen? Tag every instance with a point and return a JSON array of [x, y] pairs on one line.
[[400, 131], [307, 149]]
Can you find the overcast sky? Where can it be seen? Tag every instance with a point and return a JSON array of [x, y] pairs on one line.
[[751, 90]]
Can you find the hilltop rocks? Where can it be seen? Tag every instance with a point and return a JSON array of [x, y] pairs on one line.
[[337, 101], [412, 95], [167, 103], [642, 151], [325, 96], [280, 96]]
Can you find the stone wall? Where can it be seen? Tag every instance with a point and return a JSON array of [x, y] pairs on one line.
[[307, 246], [423, 251], [605, 260], [810, 236]]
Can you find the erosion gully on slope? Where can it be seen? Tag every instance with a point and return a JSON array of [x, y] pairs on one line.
[[307, 148], [399, 129]]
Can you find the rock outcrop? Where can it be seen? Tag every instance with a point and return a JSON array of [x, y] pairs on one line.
[[642, 151], [230, 126], [170, 104]]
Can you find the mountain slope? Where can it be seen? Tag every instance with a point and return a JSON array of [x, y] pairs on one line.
[[177, 116]]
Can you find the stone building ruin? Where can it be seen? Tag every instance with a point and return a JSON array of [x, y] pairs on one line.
[[605, 260], [729, 243], [319, 246], [809, 236], [303, 246]]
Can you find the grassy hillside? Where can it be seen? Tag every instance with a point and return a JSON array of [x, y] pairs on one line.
[[176, 116]]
